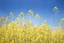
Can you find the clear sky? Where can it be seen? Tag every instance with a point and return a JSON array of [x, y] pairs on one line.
[[43, 7]]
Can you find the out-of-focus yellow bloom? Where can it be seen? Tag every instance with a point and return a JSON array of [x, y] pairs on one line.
[[62, 20], [4, 26], [45, 22], [17, 20], [30, 12], [47, 28], [37, 16], [35, 26], [11, 14], [2, 18], [56, 9], [30, 22], [21, 14], [6, 19], [15, 32]]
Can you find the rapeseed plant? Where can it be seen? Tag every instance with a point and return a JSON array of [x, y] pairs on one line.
[[26, 33]]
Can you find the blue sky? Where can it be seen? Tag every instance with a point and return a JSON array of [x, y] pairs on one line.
[[43, 7]]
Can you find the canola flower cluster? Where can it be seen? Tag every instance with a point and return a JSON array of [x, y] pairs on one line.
[[15, 32], [28, 34]]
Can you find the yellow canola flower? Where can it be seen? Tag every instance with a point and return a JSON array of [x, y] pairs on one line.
[[37, 16], [24, 24], [45, 22], [11, 14], [6, 19], [62, 19], [30, 12], [18, 20], [4, 26], [56, 9], [2, 18], [43, 25], [12, 33], [35, 26], [47, 28], [21, 14], [30, 22]]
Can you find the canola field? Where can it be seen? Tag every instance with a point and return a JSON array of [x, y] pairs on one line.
[[15, 32]]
